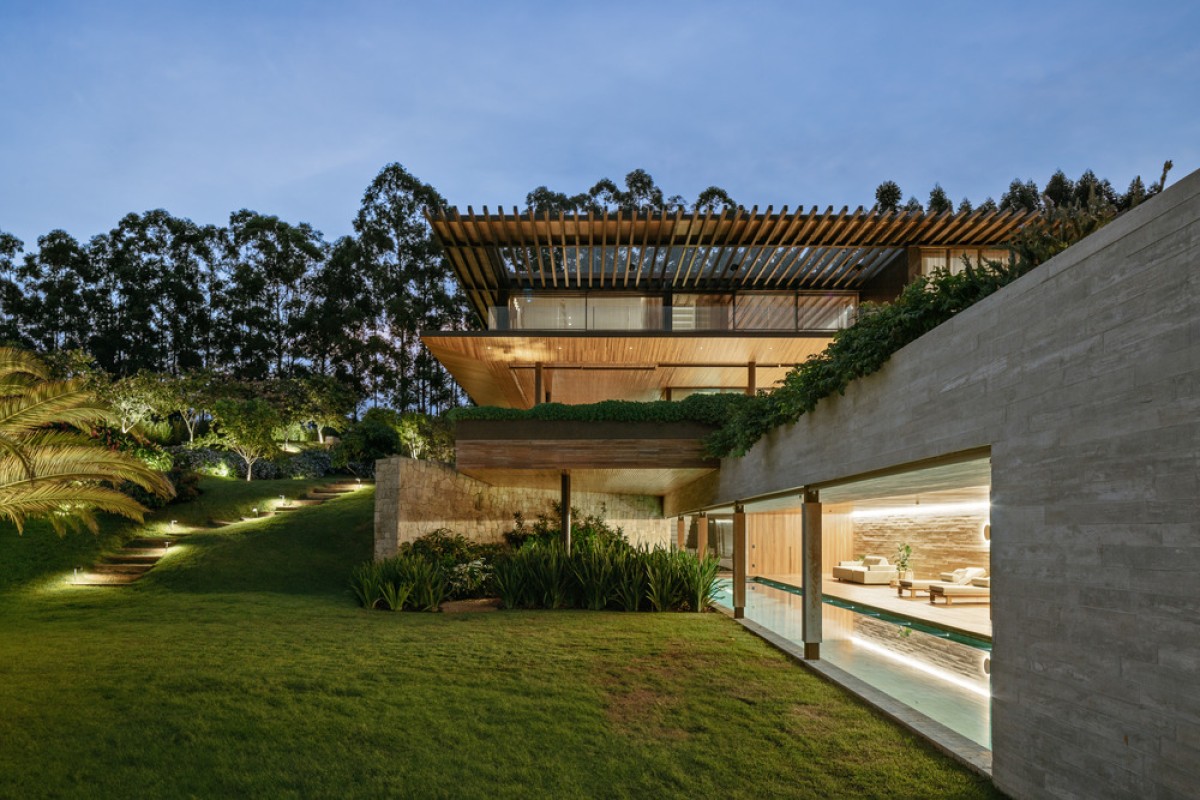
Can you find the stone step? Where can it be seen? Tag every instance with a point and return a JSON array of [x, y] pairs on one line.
[[131, 558], [129, 569], [221, 523], [146, 544], [112, 579], [301, 501]]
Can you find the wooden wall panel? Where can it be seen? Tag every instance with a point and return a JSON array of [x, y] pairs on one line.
[[774, 538]]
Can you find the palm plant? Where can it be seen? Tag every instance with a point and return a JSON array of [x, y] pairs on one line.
[[49, 467]]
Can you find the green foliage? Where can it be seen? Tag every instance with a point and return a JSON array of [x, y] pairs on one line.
[[247, 427], [600, 574], [863, 348], [888, 196], [705, 409], [405, 582], [547, 528]]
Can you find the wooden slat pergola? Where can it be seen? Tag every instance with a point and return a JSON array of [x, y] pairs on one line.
[[653, 251]]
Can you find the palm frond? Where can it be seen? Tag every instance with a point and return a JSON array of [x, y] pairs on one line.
[[59, 502], [50, 403]]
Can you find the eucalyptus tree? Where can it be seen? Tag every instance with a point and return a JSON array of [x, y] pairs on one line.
[[337, 330], [12, 300], [413, 287], [57, 297], [263, 303]]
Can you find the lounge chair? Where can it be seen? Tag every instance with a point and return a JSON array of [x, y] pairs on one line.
[[959, 576], [979, 589], [868, 570]]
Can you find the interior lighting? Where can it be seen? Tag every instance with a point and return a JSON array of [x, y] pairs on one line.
[[945, 509], [921, 666]]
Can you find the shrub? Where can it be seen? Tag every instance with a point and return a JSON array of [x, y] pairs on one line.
[[404, 582], [548, 528], [307, 464], [706, 409]]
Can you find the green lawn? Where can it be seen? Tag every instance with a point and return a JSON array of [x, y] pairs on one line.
[[240, 667]]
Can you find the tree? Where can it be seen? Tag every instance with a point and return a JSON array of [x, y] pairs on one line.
[[888, 196], [414, 288], [939, 201], [263, 303], [49, 466], [1059, 189], [11, 297], [59, 282], [188, 396], [322, 403], [1021, 197], [714, 198], [247, 428], [135, 399]]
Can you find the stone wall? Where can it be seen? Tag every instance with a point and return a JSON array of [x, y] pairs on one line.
[[940, 543], [1083, 377], [413, 498]]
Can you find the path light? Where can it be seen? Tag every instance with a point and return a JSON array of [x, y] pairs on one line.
[[167, 545], [75, 577], [256, 511], [174, 522]]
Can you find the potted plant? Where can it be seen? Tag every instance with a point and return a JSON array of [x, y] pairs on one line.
[[903, 561]]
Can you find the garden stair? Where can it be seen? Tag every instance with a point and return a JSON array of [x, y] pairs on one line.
[[140, 555]]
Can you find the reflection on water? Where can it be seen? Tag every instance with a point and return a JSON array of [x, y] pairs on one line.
[[944, 679]]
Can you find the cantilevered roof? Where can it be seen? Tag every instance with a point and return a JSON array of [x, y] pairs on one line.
[[493, 253]]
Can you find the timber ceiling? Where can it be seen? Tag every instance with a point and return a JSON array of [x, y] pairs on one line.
[[494, 253], [498, 369]]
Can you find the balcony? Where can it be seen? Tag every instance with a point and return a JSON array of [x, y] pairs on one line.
[[741, 311]]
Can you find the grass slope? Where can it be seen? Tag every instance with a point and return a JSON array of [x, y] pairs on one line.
[[241, 667]]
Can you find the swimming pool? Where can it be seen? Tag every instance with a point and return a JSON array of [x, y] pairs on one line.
[[943, 674]]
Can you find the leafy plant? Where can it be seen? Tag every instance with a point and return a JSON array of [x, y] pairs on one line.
[[663, 587], [366, 583], [49, 466], [698, 579], [629, 579], [593, 569], [395, 595]]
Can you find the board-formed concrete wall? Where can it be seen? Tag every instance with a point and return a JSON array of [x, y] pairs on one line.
[[413, 498], [1084, 379]]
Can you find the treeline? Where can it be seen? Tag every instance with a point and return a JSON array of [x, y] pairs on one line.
[[257, 299]]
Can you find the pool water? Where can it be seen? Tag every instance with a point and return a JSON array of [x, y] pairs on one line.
[[943, 675]]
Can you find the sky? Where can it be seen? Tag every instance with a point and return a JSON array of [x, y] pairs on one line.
[[291, 108]]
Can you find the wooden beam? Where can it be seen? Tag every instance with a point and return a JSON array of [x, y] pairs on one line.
[[701, 535], [741, 555], [681, 533], [810, 567]]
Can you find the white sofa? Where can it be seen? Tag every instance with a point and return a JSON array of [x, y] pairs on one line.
[[960, 577], [868, 570]]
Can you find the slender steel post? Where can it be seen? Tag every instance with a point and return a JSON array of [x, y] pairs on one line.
[[539, 384], [565, 499]]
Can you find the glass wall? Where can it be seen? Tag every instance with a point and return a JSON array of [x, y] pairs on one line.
[[743, 311], [952, 258]]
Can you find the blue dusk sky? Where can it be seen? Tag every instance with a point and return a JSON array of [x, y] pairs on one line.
[[291, 108]]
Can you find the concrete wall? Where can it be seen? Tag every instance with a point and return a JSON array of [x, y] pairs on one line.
[[1084, 379], [413, 498]]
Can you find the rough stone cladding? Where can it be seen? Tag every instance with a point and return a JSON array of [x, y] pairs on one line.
[[1084, 379], [413, 498], [940, 543]]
